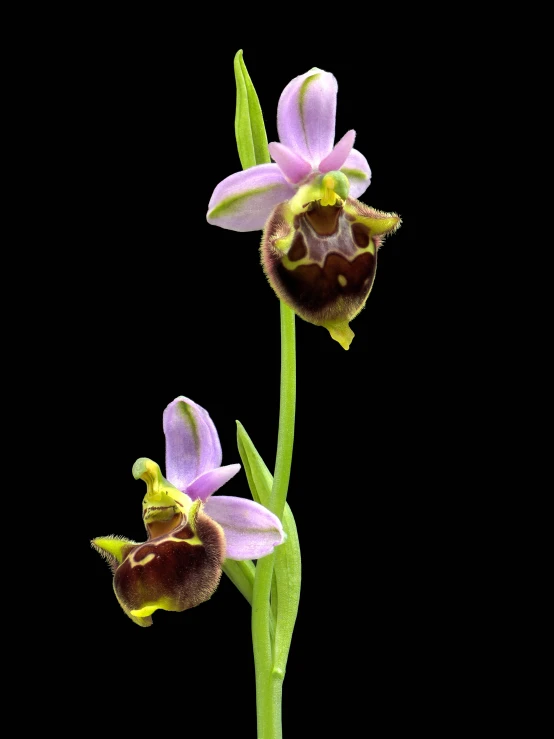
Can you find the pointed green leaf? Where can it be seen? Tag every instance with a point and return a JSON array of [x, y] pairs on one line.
[[249, 122], [274, 595], [287, 570], [259, 477], [288, 574]]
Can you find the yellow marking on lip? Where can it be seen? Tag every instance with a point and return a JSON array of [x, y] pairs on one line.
[[342, 280], [145, 611], [145, 561], [193, 541]]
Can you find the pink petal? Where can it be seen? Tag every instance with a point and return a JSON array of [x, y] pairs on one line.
[[338, 156], [251, 531], [291, 165], [211, 481], [191, 442], [244, 200], [358, 172], [306, 115]]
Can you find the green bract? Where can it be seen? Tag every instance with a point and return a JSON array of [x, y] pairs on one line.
[[249, 121]]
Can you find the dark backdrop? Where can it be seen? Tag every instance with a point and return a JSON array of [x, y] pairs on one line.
[[169, 305]]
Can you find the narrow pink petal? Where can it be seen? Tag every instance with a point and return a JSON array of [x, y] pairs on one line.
[[251, 531], [291, 165], [338, 156], [306, 115], [191, 442], [358, 172], [244, 200], [211, 481]]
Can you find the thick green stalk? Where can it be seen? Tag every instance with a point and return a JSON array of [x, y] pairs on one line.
[[287, 572], [263, 653], [287, 409], [252, 148], [269, 678]]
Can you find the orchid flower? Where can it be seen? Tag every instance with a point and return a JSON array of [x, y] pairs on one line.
[[319, 244], [190, 533]]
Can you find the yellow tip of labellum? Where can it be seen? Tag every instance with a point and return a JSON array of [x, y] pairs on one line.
[[144, 612], [341, 332]]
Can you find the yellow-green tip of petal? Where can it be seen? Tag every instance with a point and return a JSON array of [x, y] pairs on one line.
[[341, 332]]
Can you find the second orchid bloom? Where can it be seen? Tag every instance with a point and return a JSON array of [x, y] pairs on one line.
[[190, 533], [319, 244]]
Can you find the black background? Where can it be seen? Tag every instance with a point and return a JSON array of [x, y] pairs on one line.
[[168, 305]]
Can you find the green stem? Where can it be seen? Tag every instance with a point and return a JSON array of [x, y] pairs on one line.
[[269, 682], [287, 410], [261, 640]]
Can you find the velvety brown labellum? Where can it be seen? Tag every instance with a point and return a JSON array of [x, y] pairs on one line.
[[320, 291], [171, 569], [328, 270]]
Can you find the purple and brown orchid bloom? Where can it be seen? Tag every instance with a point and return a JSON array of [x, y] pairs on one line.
[[190, 533], [319, 244]]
